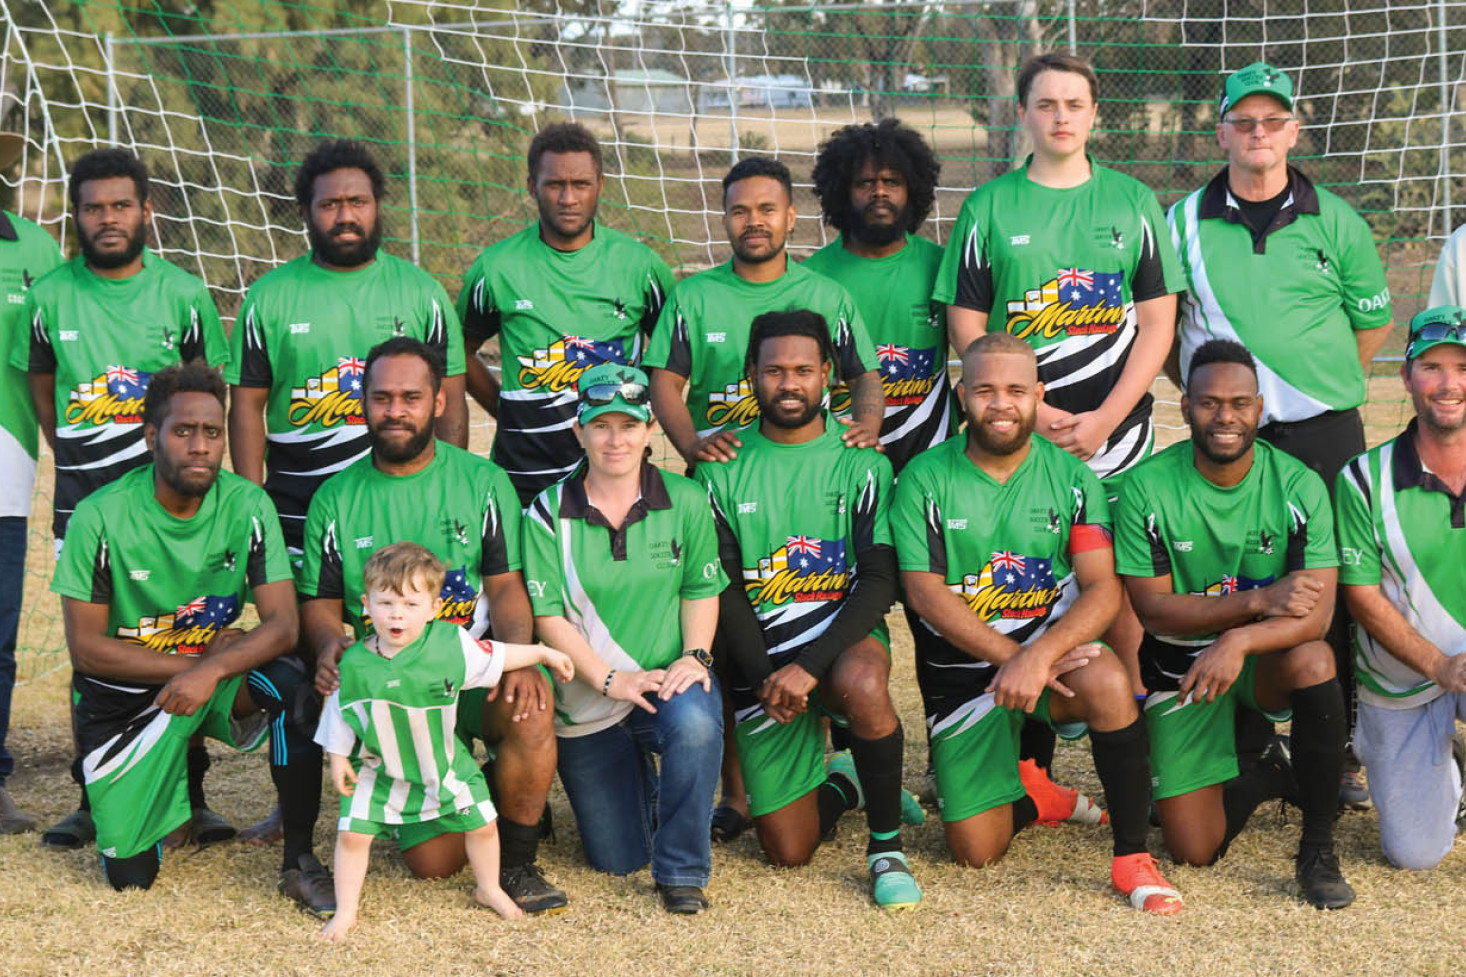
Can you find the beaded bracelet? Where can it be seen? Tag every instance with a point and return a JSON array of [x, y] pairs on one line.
[[606, 685]]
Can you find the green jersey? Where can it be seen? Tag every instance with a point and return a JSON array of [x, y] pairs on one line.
[[1062, 270], [1402, 529], [1317, 260], [103, 339], [26, 253], [461, 507], [703, 335], [1007, 548], [909, 331], [557, 314], [799, 513], [169, 584], [1212, 541], [394, 719], [621, 587], [304, 333]]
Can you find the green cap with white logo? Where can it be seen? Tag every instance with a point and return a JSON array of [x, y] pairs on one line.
[[1436, 325], [613, 388], [1258, 77]]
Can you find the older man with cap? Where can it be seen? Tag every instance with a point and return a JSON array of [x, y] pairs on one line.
[[1402, 548], [26, 253], [1290, 271]]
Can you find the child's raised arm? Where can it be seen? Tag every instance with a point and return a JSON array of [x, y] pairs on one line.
[[528, 656]]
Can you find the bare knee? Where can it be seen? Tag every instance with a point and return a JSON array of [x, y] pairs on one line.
[[1309, 664], [785, 852], [1104, 686], [970, 854]]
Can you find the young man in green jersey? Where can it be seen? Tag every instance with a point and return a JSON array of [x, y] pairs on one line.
[[803, 536], [26, 253], [100, 326], [701, 336], [464, 509], [154, 574], [389, 729], [295, 412], [1226, 545], [1402, 548], [1007, 560], [876, 184], [563, 295], [1261, 237]]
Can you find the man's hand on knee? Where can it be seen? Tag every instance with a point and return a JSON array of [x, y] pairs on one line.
[[525, 692], [1075, 658], [785, 694]]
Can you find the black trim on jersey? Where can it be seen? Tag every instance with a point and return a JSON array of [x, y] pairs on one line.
[[863, 514], [974, 276], [1217, 203], [740, 638], [863, 608], [1362, 481], [493, 551], [191, 344], [1149, 280], [254, 566], [43, 354], [479, 323], [1409, 472], [1160, 557], [936, 541], [575, 504], [1297, 541], [1163, 665], [679, 350], [652, 301], [329, 583], [254, 360], [7, 229], [101, 574], [847, 358]]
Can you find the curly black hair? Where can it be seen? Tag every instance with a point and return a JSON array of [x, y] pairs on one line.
[[333, 155], [789, 322], [885, 143], [751, 166], [101, 164], [194, 377]]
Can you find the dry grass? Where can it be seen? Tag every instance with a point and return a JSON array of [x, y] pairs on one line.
[[1046, 909]]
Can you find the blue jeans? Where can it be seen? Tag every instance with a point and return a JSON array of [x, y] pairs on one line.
[[12, 579], [628, 812]]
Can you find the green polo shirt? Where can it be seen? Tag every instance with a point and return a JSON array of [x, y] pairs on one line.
[[26, 253], [1401, 528], [621, 587], [1294, 296]]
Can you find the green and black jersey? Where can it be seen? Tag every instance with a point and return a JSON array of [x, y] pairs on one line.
[[557, 314], [1316, 262], [26, 253], [1062, 270], [909, 332], [103, 339], [1007, 548], [622, 588], [1402, 529], [1213, 541], [461, 507], [703, 335], [169, 584], [800, 514], [304, 333]]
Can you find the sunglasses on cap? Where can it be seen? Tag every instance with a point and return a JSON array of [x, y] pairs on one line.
[[601, 394], [1434, 332]]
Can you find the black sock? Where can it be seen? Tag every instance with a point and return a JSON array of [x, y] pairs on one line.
[[836, 796], [1320, 730], [198, 765], [1036, 743], [1251, 735], [78, 778], [519, 844], [1122, 760], [135, 871], [878, 765], [1025, 812], [840, 737], [1241, 796]]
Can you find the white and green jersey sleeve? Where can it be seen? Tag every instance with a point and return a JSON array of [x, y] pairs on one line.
[[1213, 540], [1294, 298], [26, 253], [394, 718], [703, 333], [621, 587], [557, 314], [1403, 530]]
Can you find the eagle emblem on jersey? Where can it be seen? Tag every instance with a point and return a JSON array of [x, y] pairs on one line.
[[1011, 585], [189, 629], [114, 397], [619, 310], [332, 398], [559, 366], [805, 568], [1075, 302]]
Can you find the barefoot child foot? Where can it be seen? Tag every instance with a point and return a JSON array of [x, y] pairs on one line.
[[498, 900], [335, 931]]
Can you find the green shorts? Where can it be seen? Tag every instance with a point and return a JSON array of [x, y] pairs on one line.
[[1194, 745], [139, 791], [414, 833], [974, 751]]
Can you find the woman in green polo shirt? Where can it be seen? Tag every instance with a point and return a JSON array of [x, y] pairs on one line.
[[621, 561]]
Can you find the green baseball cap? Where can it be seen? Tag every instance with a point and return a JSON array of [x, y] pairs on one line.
[[1257, 77], [1434, 326], [613, 388]]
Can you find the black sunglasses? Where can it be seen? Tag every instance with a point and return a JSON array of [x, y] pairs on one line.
[[601, 394], [1434, 332]]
